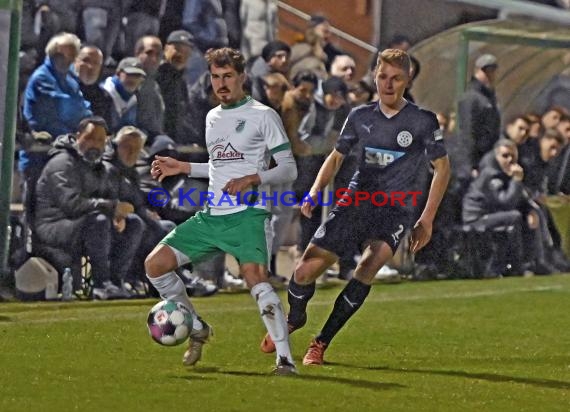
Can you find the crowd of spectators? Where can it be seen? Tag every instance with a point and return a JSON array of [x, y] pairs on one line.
[[108, 85]]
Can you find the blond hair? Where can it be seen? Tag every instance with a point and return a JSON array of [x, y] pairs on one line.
[[394, 57]]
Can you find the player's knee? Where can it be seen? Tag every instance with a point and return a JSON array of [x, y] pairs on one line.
[[157, 263]]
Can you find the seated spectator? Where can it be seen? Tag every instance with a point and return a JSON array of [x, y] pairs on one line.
[[122, 88], [534, 125], [535, 164], [309, 54], [322, 28], [88, 65], [77, 205], [493, 199], [552, 116], [360, 93], [120, 163], [274, 59]]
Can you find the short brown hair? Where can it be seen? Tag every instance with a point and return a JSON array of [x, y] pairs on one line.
[[555, 135], [394, 57], [226, 56]]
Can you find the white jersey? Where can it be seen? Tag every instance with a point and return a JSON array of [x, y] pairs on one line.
[[240, 141]]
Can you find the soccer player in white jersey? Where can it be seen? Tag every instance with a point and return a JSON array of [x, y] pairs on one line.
[[241, 136]]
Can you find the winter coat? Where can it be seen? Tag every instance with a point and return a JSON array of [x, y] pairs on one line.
[[68, 190]]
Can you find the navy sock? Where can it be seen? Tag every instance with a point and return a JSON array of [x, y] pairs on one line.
[[298, 297], [346, 305]]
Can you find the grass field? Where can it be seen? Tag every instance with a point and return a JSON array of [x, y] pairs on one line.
[[495, 345]]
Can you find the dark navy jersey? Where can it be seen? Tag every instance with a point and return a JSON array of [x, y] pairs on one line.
[[392, 151]]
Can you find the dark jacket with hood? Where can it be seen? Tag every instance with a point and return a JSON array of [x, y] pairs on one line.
[[492, 191], [68, 190]]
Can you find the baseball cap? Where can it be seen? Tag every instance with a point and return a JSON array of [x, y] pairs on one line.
[[182, 37], [131, 65], [486, 60]]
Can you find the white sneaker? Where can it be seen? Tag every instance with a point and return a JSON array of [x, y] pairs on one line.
[[232, 283], [388, 275]]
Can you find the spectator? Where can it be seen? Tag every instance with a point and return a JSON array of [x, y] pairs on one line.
[[143, 19], [122, 88], [322, 28], [479, 116], [493, 200], [552, 116], [53, 103], [343, 66], [102, 24], [535, 125], [88, 67], [258, 25], [179, 47], [150, 105], [274, 59], [274, 85], [76, 205]]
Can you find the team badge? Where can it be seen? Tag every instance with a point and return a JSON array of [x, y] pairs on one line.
[[438, 135], [404, 138], [240, 125]]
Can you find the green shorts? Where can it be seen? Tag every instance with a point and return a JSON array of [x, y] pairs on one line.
[[241, 234]]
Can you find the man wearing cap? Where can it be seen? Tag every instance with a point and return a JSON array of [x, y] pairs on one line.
[[122, 88], [179, 46], [274, 59], [479, 116]]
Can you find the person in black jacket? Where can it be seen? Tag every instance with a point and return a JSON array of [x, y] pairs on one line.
[[479, 116], [78, 208], [170, 78], [493, 200]]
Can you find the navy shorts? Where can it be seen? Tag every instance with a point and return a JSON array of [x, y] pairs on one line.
[[351, 226]]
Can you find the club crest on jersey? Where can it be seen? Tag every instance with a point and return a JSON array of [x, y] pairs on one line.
[[227, 152], [404, 138], [240, 124]]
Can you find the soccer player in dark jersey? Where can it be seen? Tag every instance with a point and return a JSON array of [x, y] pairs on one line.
[[391, 138]]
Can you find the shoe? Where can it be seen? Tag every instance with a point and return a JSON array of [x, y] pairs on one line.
[[109, 291], [560, 261], [315, 354], [284, 367], [267, 344], [388, 275], [201, 288], [542, 267], [230, 282], [197, 339]]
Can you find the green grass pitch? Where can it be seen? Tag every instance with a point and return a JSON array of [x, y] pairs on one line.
[[493, 345]]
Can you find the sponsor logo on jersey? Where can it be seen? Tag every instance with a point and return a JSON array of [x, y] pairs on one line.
[[240, 125], [223, 153], [404, 138], [438, 135], [381, 157]]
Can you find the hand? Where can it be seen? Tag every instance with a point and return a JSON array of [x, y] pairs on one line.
[[122, 209], [307, 206], [151, 214], [119, 225], [517, 172], [532, 220], [163, 166], [421, 235], [240, 185]]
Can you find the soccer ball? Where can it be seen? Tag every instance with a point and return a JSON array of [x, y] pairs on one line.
[[169, 323]]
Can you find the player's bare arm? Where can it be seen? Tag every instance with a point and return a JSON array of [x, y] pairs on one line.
[[328, 171], [163, 166], [421, 234], [241, 184]]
